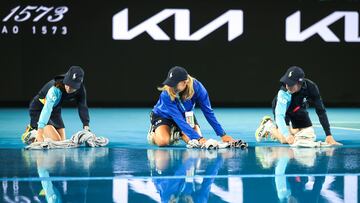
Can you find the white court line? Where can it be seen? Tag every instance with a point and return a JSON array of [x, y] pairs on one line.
[[351, 189], [340, 128], [343, 122]]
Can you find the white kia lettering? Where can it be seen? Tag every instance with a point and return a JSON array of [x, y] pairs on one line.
[[234, 19]]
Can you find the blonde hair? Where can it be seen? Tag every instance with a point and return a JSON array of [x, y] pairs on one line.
[[187, 94]]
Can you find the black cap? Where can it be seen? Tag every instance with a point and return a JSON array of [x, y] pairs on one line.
[[175, 75], [74, 77], [293, 75]]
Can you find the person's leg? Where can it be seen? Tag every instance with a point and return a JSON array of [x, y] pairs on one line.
[[295, 134], [301, 124], [305, 134], [29, 135], [160, 130], [275, 134], [293, 131], [268, 128], [34, 118], [52, 133], [61, 132], [34, 112], [164, 132], [57, 121], [162, 136]]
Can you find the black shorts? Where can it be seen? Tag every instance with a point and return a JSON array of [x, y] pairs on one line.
[[157, 121], [35, 111], [300, 118]]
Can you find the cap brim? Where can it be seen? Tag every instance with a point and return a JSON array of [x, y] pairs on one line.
[[170, 83], [285, 79], [76, 86], [73, 85]]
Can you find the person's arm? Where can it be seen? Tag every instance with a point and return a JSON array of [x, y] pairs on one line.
[[204, 103], [83, 108], [202, 194], [282, 186], [321, 112], [176, 115], [52, 97], [283, 101]]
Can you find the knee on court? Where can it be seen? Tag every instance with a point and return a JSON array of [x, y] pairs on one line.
[[161, 140]]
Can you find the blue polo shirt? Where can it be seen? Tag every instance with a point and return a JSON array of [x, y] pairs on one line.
[[175, 110]]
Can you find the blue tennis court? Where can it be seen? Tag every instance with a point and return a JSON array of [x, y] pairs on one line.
[[130, 170]]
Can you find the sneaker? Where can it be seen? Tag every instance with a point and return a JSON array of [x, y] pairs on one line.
[[150, 135], [269, 125], [29, 135], [174, 135], [263, 130]]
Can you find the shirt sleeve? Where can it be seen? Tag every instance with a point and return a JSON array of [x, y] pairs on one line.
[[176, 115], [52, 97], [320, 110], [283, 101], [82, 107], [204, 103]]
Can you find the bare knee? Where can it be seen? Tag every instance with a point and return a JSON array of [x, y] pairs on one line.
[[161, 141], [162, 136], [50, 132], [61, 132]]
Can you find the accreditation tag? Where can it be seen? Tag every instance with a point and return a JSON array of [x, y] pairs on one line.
[[189, 116]]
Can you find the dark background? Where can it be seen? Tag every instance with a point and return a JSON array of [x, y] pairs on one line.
[[242, 72]]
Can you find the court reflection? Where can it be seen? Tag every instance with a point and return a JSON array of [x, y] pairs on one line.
[[317, 187], [51, 167], [259, 174], [184, 176], [194, 175]]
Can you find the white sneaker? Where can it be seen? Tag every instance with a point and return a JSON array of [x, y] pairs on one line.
[[174, 136], [151, 135], [29, 135], [263, 131]]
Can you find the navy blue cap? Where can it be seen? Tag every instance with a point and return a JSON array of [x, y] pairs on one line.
[[74, 77], [292, 76], [175, 75]]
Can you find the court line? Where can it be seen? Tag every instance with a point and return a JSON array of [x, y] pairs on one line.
[[340, 128], [29, 179], [343, 122]]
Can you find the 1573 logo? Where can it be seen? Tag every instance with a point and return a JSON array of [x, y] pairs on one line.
[[52, 16]]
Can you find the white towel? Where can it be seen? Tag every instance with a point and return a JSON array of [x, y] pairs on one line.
[[307, 138], [76, 140], [214, 144]]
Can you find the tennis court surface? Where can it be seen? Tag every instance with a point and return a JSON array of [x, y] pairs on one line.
[[130, 170]]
